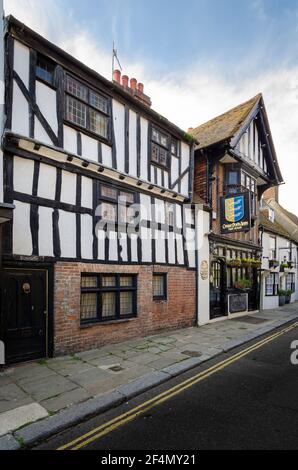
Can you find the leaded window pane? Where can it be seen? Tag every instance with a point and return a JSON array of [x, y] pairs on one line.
[[76, 88], [158, 285], [89, 281], [76, 111], [88, 306], [126, 303], [108, 281], [98, 123], [98, 101], [108, 304], [126, 281]]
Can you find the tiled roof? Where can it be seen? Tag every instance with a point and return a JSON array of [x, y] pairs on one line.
[[272, 226], [225, 126]]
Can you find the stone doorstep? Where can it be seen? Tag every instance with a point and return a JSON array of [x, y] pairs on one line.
[[46, 426]]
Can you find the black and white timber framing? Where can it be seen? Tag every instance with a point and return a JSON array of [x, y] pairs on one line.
[[53, 169]]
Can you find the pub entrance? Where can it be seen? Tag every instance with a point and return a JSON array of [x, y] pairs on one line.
[[217, 289]]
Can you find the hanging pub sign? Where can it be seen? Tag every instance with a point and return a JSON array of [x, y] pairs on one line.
[[235, 213]]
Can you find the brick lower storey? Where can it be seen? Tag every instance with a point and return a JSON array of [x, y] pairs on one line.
[[175, 312]]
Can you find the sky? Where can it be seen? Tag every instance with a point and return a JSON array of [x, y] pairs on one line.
[[197, 59]]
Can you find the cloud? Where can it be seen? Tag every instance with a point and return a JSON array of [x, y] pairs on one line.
[[186, 97]]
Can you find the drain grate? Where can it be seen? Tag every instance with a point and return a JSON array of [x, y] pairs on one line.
[[251, 320], [116, 368], [192, 353]]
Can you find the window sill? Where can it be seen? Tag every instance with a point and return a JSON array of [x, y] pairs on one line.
[[160, 299], [108, 322]]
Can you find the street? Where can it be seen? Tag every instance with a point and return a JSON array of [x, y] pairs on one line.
[[246, 399]]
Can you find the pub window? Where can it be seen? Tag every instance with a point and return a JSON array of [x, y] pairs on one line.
[[290, 282], [271, 284], [159, 147], [45, 69], [159, 286], [87, 108], [272, 248], [108, 297], [116, 204]]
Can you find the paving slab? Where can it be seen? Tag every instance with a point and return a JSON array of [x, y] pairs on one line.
[[66, 400], [11, 396], [14, 419], [47, 387]]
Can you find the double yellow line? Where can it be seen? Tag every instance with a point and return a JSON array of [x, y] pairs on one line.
[[106, 428]]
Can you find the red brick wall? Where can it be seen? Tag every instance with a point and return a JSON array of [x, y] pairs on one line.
[[177, 311], [200, 177]]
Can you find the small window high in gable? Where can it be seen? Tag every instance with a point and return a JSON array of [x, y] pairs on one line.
[[45, 69]]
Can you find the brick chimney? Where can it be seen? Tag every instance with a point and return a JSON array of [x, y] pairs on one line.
[[132, 87], [271, 193]]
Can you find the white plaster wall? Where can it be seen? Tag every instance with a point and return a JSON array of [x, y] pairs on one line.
[[202, 242], [45, 233], [118, 115], [22, 240], [132, 143], [87, 192], [171, 247], [47, 181], [46, 100], [23, 175], [123, 246], [68, 187], [21, 57], [89, 148], [160, 250], [86, 236], [146, 244], [106, 155], [20, 112], [144, 149], [67, 232], [134, 247], [70, 139]]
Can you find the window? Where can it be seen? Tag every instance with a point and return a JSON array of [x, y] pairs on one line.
[[271, 285], [272, 248], [290, 282], [174, 148], [87, 108], [159, 286], [249, 183], [45, 69], [271, 214], [108, 297], [116, 204], [159, 147]]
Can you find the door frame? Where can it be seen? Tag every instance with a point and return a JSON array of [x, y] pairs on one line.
[[222, 288], [49, 270]]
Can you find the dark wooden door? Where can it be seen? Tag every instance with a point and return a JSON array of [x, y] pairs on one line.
[[217, 289], [24, 314], [254, 291]]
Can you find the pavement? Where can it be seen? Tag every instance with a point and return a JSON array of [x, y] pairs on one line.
[[249, 404], [41, 398]]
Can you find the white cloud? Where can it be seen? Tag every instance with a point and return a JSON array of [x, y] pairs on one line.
[[186, 97]]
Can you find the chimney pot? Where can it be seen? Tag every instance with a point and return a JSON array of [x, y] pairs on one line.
[[125, 80], [133, 83], [117, 76], [141, 87], [189, 130]]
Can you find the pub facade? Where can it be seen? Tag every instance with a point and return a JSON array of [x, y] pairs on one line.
[[235, 163]]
